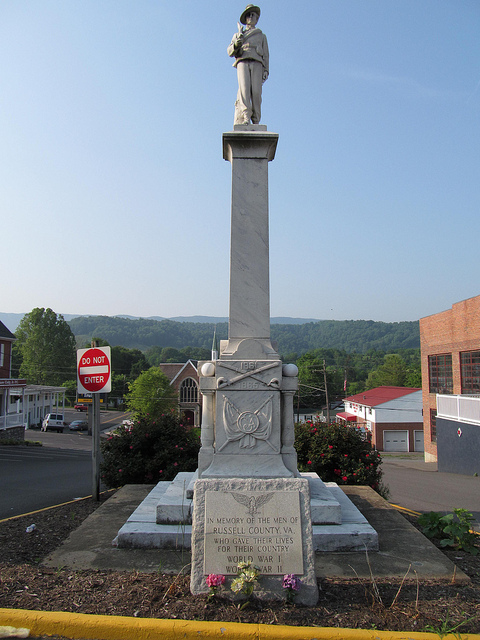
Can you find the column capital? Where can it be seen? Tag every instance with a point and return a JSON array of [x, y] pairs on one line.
[[260, 145]]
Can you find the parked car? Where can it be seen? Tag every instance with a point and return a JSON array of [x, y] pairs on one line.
[[78, 425], [53, 422], [81, 407]]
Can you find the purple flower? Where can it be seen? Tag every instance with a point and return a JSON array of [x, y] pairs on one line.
[[290, 581]]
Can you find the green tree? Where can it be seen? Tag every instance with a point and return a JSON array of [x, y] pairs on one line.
[[151, 394], [47, 348], [128, 362], [392, 373], [71, 387], [311, 381], [414, 377]]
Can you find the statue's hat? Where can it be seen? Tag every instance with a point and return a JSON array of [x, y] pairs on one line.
[[248, 8]]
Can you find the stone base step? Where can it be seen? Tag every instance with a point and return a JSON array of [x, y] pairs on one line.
[[141, 530]]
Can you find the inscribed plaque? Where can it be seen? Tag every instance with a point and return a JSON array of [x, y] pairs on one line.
[[261, 527]]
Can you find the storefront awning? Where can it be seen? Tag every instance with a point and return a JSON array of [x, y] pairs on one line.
[[349, 417]]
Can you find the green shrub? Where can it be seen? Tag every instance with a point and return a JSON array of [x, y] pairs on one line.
[[148, 451], [430, 524], [338, 454], [452, 529]]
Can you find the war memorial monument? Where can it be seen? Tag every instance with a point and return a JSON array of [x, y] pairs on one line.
[[247, 502]]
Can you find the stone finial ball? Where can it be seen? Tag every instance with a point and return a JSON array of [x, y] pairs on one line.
[[208, 370], [290, 370]]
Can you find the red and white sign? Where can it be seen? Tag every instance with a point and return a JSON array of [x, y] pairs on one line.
[[94, 374]]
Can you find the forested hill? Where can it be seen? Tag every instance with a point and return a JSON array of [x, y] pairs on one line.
[[350, 335]]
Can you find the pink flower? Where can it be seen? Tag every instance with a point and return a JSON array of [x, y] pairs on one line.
[[322, 455], [214, 580], [309, 462], [330, 446], [344, 478], [120, 470], [131, 447], [175, 464]]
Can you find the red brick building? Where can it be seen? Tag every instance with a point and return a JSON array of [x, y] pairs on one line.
[[183, 377], [450, 348], [391, 415]]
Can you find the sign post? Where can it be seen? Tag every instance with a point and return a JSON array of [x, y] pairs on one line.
[[94, 375]]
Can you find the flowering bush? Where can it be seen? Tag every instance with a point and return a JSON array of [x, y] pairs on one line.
[[292, 585], [214, 580], [147, 451], [247, 576], [338, 454]]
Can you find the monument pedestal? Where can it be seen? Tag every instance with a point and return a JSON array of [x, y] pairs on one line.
[[249, 503]]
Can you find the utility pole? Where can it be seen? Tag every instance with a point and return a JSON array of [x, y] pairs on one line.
[[326, 391]]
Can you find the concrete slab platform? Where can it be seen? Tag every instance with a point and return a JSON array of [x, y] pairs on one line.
[[400, 545], [168, 525]]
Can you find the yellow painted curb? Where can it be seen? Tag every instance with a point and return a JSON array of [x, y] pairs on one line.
[[54, 506], [90, 627]]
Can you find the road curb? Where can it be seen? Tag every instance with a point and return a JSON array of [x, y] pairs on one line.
[[92, 627]]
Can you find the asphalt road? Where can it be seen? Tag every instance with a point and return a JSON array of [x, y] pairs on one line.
[[33, 478], [418, 485], [36, 477]]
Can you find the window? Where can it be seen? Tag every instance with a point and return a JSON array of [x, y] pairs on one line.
[[470, 371], [2, 353], [188, 391], [440, 373], [433, 425]]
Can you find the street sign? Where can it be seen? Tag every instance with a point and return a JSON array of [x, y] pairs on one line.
[[94, 374]]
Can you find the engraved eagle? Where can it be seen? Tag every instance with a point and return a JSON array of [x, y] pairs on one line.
[[252, 503]]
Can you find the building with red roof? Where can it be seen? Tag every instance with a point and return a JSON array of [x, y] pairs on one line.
[[392, 416]]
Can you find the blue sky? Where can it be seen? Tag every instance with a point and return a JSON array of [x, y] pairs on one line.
[[115, 198]]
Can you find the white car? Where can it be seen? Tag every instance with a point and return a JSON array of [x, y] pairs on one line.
[[53, 422]]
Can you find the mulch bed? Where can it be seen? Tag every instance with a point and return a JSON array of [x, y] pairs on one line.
[[364, 604]]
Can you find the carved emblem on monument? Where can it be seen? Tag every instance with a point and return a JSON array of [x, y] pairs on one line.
[[248, 426], [223, 382], [251, 502]]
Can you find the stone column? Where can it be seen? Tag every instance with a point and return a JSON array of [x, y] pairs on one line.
[[249, 149], [207, 437]]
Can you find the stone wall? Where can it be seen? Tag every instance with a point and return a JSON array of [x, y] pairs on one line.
[[13, 433]]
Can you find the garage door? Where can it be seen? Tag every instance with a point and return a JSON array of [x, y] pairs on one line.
[[395, 440], [419, 445]]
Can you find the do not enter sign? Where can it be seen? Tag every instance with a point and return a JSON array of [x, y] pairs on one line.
[[93, 370]]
